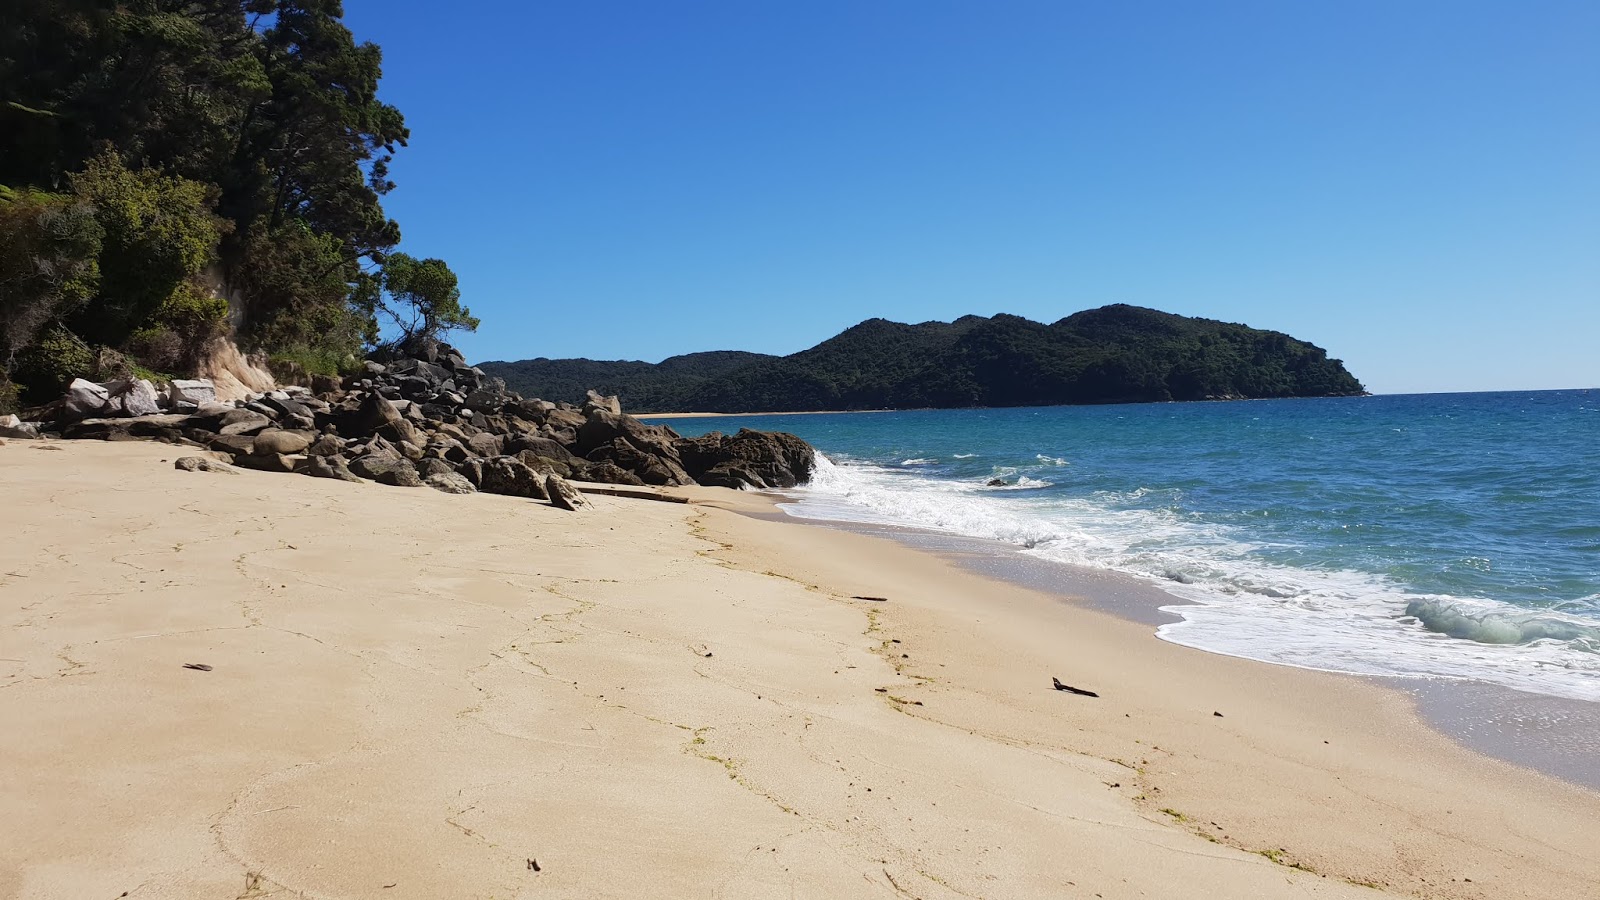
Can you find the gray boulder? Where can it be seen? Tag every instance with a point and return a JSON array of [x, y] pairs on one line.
[[450, 483], [564, 495], [265, 462], [328, 467], [508, 475], [286, 442], [85, 399], [609, 403], [198, 391], [201, 464], [136, 398], [13, 427]]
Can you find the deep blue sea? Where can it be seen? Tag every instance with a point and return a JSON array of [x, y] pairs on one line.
[[1443, 535]]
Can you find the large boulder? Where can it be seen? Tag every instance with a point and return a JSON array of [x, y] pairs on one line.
[[450, 483], [13, 427], [201, 464], [265, 462], [241, 421], [651, 468], [758, 459], [136, 397], [510, 476], [286, 442], [564, 495], [197, 391], [611, 473], [85, 399], [607, 402], [328, 467]]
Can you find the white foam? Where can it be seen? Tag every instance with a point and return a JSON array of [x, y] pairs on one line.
[[1238, 604]]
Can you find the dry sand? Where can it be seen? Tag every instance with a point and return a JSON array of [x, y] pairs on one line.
[[415, 695]]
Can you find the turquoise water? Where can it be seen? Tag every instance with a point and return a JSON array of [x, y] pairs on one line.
[[1442, 535]]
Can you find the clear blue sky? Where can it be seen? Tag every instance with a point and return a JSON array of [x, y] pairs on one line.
[[1413, 185]]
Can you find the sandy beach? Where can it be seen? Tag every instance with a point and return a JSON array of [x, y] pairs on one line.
[[416, 695]]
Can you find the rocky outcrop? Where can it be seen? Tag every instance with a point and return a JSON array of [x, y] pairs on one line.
[[425, 417], [759, 459]]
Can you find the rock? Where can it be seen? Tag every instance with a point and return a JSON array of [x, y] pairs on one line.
[[167, 427], [486, 444], [242, 421], [328, 466], [375, 465], [13, 427], [649, 467], [471, 469], [508, 475], [199, 391], [265, 462], [609, 403], [402, 474], [326, 445], [609, 473], [84, 399], [286, 406], [429, 466], [996, 482], [137, 398], [201, 464], [539, 446], [450, 483], [233, 443], [285, 442], [564, 495], [760, 459]]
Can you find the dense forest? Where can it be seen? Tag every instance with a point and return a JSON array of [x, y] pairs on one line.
[[177, 173], [1114, 354]]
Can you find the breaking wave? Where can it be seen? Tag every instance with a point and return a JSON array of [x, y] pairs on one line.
[[1236, 602]]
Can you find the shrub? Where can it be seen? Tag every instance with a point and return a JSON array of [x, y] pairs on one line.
[[49, 245], [51, 362], [159, 232]]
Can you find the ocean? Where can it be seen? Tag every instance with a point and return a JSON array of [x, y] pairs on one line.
[[1442, 536]]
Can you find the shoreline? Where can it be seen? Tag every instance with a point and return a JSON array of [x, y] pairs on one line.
[[447, 690], [1555, 736]]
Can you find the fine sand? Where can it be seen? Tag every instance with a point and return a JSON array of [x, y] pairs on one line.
[[415, 695]]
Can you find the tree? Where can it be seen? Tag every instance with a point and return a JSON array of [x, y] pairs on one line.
[[423, 298]]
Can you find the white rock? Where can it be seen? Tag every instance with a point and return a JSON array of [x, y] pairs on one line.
[[139, 399], [85, 398], [13, 427], [198, 391]]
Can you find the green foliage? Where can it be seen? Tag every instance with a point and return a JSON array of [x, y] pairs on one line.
[[243, 132], [422, 297], [643, 387], [297, 285], [159, 232], [49, 247], [1115, 354], [298, 361], [51, 362]]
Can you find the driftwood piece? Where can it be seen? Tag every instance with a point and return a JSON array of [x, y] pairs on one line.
[[632, 493], [1070, 689]]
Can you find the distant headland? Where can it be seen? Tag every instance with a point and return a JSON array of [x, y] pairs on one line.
[[1113, 354]]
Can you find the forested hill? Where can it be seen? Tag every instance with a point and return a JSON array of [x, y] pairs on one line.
[[1114, 354]]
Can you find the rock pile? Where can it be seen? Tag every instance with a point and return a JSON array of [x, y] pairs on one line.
[[425, 417]]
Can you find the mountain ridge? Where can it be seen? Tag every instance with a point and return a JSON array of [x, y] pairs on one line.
[[1111, 354]]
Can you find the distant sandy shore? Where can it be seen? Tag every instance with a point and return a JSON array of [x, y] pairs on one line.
[[714, 415], [415, 695]]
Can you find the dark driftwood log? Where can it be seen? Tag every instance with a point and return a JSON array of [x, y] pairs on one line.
[[1070, 689]]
